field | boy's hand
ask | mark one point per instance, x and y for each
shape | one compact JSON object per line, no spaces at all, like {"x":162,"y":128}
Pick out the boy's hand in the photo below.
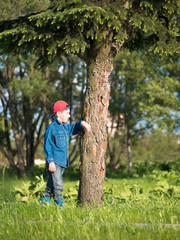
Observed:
{"x":52,"y":167}
{"x":86,"y":126}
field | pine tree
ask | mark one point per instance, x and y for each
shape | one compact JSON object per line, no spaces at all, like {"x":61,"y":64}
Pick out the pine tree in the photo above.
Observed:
{"x":95,"y":31}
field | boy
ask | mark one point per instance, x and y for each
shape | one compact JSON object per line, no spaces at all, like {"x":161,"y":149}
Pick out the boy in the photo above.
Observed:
{"x":56,"y":141}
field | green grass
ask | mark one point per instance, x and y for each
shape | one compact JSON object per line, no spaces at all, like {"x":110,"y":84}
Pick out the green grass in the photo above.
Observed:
{"x":134,"y":208}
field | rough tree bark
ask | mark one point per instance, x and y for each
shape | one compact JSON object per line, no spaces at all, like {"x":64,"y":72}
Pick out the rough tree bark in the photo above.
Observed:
{"x":93,"y":146}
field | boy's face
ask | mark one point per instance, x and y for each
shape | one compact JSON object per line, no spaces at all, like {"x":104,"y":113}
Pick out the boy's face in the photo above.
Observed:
{"x":63,"y":116}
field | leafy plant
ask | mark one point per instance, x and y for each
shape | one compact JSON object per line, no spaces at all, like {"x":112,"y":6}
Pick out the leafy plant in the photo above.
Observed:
{"x":30,"y":189}
{"x":164,"y":175}
{"x":164,"y":189}
{"x":72,"y":192}
{"x":130,"y":193}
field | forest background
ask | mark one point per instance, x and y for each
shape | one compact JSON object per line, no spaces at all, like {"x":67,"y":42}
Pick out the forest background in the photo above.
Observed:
{"x":143,"y":121}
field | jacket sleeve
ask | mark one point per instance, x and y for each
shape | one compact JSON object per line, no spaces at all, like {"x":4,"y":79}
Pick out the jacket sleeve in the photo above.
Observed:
{"x":74,"y":129}
{"x":48,"y":145}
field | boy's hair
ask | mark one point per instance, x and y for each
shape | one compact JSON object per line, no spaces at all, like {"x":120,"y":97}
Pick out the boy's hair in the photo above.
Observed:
{"x":54,"y":116}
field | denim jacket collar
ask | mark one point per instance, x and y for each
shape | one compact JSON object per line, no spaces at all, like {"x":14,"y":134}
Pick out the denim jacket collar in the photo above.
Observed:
{"x":59,"y":122}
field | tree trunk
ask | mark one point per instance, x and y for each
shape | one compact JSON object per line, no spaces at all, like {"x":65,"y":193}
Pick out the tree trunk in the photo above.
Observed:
{"x":9,"y":152}
{"x":20,"y":155}
{"x":17,"y":134}
{"x":120,"y":155}
{"x":30,"y":148}
{"x":29,"y":137}
{"x":130,"y":165}
{"x":93,"y":146}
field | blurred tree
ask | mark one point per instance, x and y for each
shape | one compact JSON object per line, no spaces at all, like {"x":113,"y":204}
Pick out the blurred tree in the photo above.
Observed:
{"x":29,"y":91}
{"x":156,"y":145}
{"x":15,"y":103}
{"x":11,"y":9}
{"x":95,"y":31}
{"x":24,"y":95}
{"x":144,"y":90}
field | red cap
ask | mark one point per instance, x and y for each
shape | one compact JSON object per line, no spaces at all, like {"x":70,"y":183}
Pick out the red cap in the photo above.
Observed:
{"x":59,"y":106}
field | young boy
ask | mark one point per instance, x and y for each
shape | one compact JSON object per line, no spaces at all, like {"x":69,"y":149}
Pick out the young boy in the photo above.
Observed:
{"x":56,"y":141}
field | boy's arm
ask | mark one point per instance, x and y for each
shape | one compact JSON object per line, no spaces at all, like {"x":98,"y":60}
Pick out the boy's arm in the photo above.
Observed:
{"x":48,"y":144}
{"x":77,"y":127}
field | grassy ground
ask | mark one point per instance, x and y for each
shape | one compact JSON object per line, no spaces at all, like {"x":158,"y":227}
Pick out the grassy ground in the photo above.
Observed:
{"x":145,"y":207}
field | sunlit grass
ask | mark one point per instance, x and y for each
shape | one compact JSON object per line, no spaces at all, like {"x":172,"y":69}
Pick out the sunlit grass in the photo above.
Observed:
{"x":133,"y":208}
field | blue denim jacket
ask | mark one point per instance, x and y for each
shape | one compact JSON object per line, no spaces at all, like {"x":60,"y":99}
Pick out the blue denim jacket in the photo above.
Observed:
{"x":56,"y":141}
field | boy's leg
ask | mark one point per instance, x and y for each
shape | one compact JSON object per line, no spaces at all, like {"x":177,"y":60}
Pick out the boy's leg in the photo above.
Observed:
{"x":46,"y":194}
{"x":58,"y":185}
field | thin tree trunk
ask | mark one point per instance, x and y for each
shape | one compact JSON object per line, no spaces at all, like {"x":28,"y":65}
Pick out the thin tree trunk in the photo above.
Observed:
{"x":9,"y":75}
{"x":30,"y":147}
{"x":19,"y":147}
{"x":9,"y":152}
{"x":118,"y":163}
{"x":130,"y":164}
{"x":17,"y":136}
{"x":114,"y":150}
{"x":93,"y":146}
{"x":121,"y":153}
{"x":71,"y":157}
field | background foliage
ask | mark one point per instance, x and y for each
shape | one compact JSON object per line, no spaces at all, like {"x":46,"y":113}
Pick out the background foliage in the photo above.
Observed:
{"x":145,"y":87}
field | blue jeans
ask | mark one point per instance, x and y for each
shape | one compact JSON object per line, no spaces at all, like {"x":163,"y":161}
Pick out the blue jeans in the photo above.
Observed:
{"x":54,"y":184}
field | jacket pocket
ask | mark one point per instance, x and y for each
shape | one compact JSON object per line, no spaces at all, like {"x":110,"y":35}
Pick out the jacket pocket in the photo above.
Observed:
{"x":60,"y":140}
